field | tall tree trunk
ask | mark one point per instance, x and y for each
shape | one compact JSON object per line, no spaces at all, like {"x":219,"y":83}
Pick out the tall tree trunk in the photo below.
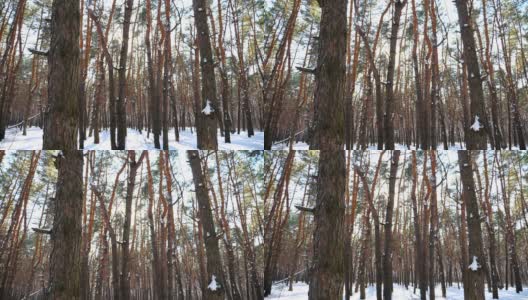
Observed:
{"x":474,"y":285}
{"x":215,"y":273}
{"x":387,"y":257}
{"x":328,"y":261}
{"x":207,"y":116}
{"x":131,"y":181}
{"x":510,"y":230}
{"x":167,"y":76}
{"x":498,"y":142}
{"x":6,"y":71}
{"x":109,"y":60}
{"x":60,"y":128}
{"x":160,"y":291}
{"x":330,"y":76}
{"x":153,"y":90}
{"x":389,"y":106}
{"x":476,"y":138}
{"x":419,"y":263}
{"x":433,"y":229}
{"x":121,"y":98}
{"x":273,"y":228}
{"x":488,"y":212}
{"x":66,"y":234}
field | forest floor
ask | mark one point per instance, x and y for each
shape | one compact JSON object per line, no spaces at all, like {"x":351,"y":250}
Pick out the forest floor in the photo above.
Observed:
{"x":305,"y":146}
{"x":300,"y":292}
{"x":14,"y":140}
{"x":135,"y":140}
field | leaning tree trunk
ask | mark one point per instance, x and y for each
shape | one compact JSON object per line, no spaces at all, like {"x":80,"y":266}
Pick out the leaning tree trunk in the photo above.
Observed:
{"x":474,"y":281}
{"x":66,"y":233}
{"x":209,"y":109}
{"x":60,"y":128}
{"x":216,"y":286}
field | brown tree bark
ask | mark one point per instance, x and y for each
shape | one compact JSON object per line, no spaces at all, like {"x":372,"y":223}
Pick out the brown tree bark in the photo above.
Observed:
{"x":242,"y":74}
{"x":419,"y":263}
{"x":272,"y":227}
{"x":60,"y":128}
{"x":207,"y":116}
{"x":476,"y":138}
{"x":154,"y":105}
{"x":249,"y":251}
{"x":6,"y":70}
{"x":131,"y":181}
{"x":66,"y":233}
{"x":330,"y":75}
{"x":387,"y":256}
{"x":389,"y":106}
{"x":105,"y":53}
{"x":215,"y":274}
{"x":474,"y":284}
{"x":490,"y":226}
{"x":328,"y":267}
{"x":160,"y":285}
{"x":509,"y":226}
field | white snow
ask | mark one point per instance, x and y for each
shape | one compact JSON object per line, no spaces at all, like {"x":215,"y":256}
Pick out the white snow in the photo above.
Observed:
{"x":14,"y":140}
{"x":476,"y":125}
{"x":300,"y":292}
{"x":474,"y":265}
{"x":207,"y":109}
{"x":305,"y":146}
{"x":213,"y":285}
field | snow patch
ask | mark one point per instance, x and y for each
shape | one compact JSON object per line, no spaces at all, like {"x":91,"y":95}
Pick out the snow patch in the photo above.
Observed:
{"x":208,"y":109}
{"x":474,"y":265}
{"x":476,"y":125}
{"x":213,"y":285}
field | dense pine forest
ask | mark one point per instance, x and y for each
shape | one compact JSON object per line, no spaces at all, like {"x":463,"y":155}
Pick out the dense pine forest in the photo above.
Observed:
{"x":394,"y":133}
{"x":108,"y":74}
{"x":407,"y":225}
{"x":130,"y":225}
{"x":405,"y":74}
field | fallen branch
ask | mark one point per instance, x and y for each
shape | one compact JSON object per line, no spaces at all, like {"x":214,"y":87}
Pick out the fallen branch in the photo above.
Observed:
{"x":41,"y":230}
{"x":306,"y":70}
{"x":38,"y":52}
{"x":306,"y":209}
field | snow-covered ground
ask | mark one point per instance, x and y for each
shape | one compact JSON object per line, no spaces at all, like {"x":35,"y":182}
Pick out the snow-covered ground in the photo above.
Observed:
{"x":300,"y":292}
{"x":135,"y":141}
{"x":14,"y":139}
{"x":305,"y":146}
